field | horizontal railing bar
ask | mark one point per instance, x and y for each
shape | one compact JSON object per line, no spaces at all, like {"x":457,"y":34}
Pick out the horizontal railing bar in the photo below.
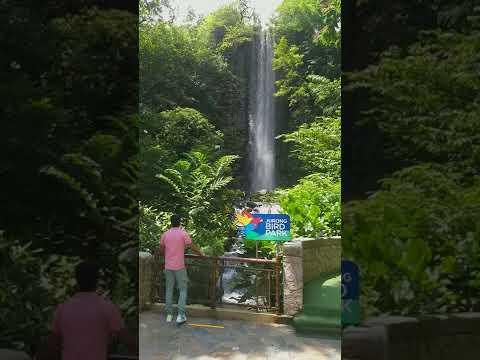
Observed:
{"x":248,"y":269}
{"x":232,"y":258}
{"x":235,"y":267}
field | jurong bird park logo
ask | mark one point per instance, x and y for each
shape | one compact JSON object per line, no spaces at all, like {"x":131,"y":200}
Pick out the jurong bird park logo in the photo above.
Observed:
{"x":274,"y":227}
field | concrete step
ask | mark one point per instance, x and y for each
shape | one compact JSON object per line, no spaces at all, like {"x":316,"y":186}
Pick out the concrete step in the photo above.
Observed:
{"x":228,"y":313}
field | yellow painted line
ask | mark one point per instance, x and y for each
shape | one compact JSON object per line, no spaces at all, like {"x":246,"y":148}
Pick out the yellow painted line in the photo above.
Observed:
{"x":208,"y":326}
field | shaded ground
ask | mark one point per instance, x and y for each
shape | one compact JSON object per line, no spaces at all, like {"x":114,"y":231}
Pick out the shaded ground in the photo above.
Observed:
{"x":237,"y":340}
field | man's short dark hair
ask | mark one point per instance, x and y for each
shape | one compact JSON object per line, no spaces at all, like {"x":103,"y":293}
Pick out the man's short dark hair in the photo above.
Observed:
{"x":86,"y":274}
{"x":176,"y":220}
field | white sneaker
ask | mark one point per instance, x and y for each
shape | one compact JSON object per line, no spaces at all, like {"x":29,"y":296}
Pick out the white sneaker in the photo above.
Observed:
{"x":169,"y":318}
{"x":181,"y":319}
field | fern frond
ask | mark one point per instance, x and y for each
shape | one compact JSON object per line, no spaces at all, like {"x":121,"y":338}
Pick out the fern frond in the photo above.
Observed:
{"x":72,"y":183}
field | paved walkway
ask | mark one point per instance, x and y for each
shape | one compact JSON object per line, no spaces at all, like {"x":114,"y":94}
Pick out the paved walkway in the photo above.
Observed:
{"x":237,"y":340}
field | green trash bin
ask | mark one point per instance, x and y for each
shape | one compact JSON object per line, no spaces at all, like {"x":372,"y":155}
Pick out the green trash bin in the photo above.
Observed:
{"x":321,"y":306}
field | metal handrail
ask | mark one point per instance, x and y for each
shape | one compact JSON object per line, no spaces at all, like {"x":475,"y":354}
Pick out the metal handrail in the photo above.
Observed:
{"x":212,"y":297}
{"x":233,"y":258}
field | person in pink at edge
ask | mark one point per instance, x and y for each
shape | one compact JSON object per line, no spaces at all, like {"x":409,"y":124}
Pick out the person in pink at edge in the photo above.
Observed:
{"x":172,"y":244}
{"x":84,"y":326}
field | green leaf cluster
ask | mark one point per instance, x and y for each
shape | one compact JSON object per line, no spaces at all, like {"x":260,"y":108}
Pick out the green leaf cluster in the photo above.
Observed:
{"x":307,"y":57}
{"x":417,"y":238}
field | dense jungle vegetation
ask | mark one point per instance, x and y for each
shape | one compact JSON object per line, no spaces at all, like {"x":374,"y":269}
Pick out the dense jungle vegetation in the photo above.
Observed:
{"x":68,"y":159}
{"x":417,"y":236}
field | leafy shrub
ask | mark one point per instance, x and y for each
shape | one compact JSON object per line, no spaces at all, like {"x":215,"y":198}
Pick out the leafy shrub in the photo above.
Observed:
{"x":314,"y":206}
{"x":317,"y":146}
{"x":199,"y":190}
{"x":152,"y":224}
{"x":417,"y":242}
{"x":33,"y":283}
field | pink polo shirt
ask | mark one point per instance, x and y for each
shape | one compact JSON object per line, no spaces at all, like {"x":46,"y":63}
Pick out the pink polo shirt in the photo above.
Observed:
{"x":85,"y":324}
{"x":174,"y":242}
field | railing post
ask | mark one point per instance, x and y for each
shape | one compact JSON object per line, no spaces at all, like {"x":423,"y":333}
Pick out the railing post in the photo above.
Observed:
{"x":277,"y":283}
{"x":213,"y":300}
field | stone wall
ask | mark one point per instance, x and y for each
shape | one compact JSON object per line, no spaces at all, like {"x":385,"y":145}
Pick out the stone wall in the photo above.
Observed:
{"x":145,"y":263}
{"x":305,"y":260}
{"x":321,"y":256}
{"x":434,"y":337}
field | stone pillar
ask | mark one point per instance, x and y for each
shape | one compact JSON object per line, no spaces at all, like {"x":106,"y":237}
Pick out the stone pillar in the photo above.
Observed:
{"x":292,"y":277}
{"x":145,"y":262}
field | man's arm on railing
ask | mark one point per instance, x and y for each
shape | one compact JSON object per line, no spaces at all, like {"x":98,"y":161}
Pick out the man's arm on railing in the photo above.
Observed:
{"x":196,"y":249}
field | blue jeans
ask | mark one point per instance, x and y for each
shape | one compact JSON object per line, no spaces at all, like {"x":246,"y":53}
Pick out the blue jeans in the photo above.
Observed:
{"x":180,"y":277}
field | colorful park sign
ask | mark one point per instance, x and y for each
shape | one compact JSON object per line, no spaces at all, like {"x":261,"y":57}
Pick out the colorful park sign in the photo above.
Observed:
{"x":350,"y":293}
{"x":273,"y":227}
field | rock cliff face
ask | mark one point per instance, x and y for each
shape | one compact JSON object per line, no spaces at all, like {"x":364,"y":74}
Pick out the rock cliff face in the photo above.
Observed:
{"x":237,"y":133}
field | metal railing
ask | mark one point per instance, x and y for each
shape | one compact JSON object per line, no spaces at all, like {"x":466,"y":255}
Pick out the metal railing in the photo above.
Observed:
{"x":262,"y":278}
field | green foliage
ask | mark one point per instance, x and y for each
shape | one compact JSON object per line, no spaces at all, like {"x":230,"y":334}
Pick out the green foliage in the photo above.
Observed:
{"x":178,"y":70}
{"x":165,"y":137}
{"x":183,"y":171}
{"x":317,"y":146}
{"x":417,"y":238}
{"x":307,"y":55}
{"x":198,"y":192}
{"x":69,"y":109}
{"x":313,"y":26}
{"x":151,"y":225}
{"x":266,"y":249}
{"x":228,"y":26}
{"x":235,"y":37}
{"x":434,"y":117}
{"x":319,"y":19}
{"x":150,"y":11}
{"x":314,"y":206}
{"x":41,"y":281}
{"x":289,"y":60}
{"x":298,"y":17}
{"x":417,"y":242}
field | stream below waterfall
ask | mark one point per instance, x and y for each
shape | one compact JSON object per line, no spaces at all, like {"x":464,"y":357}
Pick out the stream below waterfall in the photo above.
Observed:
{"x":230,"y":277}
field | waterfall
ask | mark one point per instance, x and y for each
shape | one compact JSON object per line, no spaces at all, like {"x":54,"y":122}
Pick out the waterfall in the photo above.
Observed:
{"x":261,"y":154}
{"x":262,"y":115}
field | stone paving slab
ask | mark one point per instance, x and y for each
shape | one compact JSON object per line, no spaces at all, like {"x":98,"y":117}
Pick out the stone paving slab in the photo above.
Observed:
{"x":238,"y":340}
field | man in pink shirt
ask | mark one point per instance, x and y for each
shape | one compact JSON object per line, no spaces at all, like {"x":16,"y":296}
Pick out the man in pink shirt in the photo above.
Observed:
{"x":84,"y":326}
{"x":172,"y":244}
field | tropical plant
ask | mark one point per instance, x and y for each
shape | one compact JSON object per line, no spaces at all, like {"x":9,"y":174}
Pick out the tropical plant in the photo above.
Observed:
{"x":198,"y":191}
{"x":70,"y":140}
{"x":317,"y":146}
{"x":314,"y":206}
{"x":416,"y":238}
{"x":417,"y":242}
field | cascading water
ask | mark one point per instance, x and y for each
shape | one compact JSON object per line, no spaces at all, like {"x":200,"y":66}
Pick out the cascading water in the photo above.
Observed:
{"x":262,"y":115}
